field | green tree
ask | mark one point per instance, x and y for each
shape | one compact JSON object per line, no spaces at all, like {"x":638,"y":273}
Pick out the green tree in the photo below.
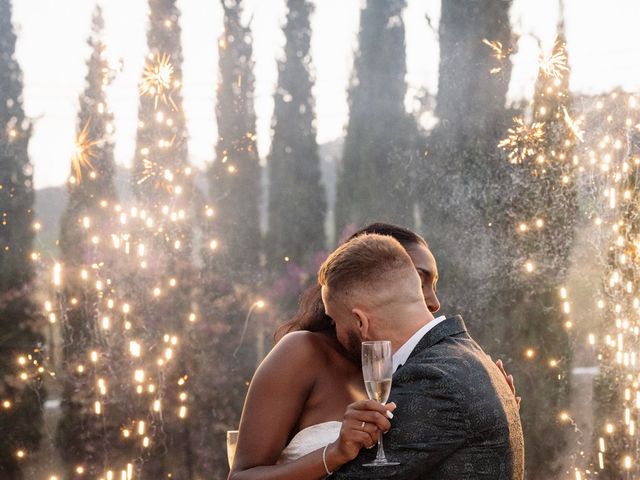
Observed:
{"x":85,"y":438}
{"x":537,"y":231}
{"x":297,"y":201}
{"x":374,"y":184}
{"x":21,"y":392}
{"x":461,"y":182}
{"x":234,"y":178}
{"x":231,"y":274}
{"x":615,"y":400}
{"x":161,"y":288}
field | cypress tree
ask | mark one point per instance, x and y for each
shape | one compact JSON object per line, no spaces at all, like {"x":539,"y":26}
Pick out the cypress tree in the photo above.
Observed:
{"x":374,"y":184}
{"x":162,"y":286}
{"x":231,"y":274}
{"x":297,"y":202}
{"x":234,"y":178}
{"x":85,"y":438}
{"x":464,"y":176}
{"x":21,"y":392}
{"x":539,"y":229}
{"x":615,"y":387}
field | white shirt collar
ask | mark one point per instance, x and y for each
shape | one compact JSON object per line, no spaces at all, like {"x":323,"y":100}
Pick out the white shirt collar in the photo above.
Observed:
{"x":402,"y":354}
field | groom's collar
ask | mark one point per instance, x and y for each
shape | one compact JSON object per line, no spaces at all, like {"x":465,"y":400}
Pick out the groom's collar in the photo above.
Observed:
{"x":450,"y":326}
{"x":403,"y":353}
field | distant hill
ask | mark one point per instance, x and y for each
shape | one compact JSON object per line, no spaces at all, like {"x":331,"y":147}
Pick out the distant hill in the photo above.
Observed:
{"x":51,"y":201}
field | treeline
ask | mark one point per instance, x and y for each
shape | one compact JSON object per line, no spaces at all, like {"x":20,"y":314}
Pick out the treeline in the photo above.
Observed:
{"x":159,"y":309}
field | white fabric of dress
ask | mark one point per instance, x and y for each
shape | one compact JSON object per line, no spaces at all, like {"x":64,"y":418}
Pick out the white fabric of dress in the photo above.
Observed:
{"x":310,"y":439}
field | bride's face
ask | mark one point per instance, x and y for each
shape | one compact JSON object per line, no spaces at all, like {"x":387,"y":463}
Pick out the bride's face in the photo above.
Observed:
{"x":425,"y":264}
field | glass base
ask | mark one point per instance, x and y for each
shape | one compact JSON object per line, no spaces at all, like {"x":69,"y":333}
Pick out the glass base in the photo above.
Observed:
{"x":381,"y":463}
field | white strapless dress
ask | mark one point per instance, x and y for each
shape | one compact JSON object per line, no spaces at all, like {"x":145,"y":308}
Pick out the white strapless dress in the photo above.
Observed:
{"x":310,"y":439}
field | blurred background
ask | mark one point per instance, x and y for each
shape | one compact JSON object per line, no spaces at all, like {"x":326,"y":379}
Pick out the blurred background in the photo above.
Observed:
{"x":173,"y":173}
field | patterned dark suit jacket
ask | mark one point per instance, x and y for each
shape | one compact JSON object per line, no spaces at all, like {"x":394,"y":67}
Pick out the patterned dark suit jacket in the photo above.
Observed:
{"x":456,"y":419}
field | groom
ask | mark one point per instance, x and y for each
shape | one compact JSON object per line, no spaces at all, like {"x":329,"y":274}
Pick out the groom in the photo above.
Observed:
{"x":456,"y":418}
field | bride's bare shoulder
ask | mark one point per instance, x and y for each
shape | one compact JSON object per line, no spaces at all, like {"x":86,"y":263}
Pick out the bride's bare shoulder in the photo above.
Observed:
{"x":302,"y":346}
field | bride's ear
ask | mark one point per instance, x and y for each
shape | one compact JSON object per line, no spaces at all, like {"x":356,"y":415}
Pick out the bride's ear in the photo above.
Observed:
{"x":362,"y":322}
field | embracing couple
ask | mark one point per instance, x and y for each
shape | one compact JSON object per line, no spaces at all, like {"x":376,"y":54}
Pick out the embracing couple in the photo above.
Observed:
{"x":453,"y":413}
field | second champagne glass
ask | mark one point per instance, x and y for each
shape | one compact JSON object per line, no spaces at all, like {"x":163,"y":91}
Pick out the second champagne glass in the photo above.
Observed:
{"x":377,"y":369}
{"x":232,"y":443}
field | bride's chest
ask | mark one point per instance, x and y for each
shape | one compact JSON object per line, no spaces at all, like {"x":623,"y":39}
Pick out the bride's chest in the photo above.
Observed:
{"x":330,"y":398}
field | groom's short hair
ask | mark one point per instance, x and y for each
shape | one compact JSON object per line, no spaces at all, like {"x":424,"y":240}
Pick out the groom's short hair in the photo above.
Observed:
{"x":372,"y":263}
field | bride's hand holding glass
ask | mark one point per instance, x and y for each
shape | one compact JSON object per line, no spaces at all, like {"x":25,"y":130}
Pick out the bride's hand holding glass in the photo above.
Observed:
{"x":362,"y":424}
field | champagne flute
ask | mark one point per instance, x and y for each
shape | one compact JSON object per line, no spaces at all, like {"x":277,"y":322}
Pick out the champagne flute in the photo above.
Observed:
{"x":232,"y":443}
{"x":377,"y":368}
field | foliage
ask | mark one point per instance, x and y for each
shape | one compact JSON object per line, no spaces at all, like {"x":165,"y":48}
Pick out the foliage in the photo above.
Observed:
{"x":377,"y":164}
{"x":21,"y":398}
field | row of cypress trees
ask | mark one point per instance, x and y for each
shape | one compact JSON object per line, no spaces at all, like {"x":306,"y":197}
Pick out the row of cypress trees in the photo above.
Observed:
{"x":468,"y":198}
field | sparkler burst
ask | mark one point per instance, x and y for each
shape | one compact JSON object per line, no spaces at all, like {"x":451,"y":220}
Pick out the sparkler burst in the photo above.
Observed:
{"x":574,"y":125}
{"x":83,"y":151}
{"x":499,"y":52}
{"x":157,"y":80}
{"x":554,"y":64}
{"x":523,"y":140}
{"x":163,"y":178}
{"x":150,"y":169}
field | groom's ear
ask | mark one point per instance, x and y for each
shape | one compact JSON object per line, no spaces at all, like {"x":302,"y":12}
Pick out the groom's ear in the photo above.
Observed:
{"x":362,"y":322}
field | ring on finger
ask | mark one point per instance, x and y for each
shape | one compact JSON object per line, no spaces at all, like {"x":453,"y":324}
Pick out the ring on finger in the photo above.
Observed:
{"x":362,"y":426}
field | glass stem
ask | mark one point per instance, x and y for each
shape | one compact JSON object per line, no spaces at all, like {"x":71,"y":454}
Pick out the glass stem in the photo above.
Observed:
{"x":380,"y":455}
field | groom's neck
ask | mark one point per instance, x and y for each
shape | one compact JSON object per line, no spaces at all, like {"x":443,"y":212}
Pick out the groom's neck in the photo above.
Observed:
{"x":406,"y":325}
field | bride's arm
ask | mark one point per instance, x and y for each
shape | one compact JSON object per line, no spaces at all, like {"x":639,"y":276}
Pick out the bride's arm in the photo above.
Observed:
{"x":274,"y":403}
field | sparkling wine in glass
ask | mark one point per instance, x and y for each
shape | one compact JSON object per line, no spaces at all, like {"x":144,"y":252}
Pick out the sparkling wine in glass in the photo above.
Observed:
{"x":232,"y":443}
{"x":377,"y":368}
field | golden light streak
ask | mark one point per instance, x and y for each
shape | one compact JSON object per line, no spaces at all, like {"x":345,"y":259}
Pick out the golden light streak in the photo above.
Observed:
{"x":573,"y":125}
{"x":57,"y":274}
{"x":499,"y":52}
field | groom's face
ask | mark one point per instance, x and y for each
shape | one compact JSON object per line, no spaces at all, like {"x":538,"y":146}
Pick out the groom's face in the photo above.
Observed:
{"x":346,"y":325}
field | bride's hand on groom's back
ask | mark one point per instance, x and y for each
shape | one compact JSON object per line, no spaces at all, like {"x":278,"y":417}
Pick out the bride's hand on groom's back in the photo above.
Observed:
{"x":362,"y":423}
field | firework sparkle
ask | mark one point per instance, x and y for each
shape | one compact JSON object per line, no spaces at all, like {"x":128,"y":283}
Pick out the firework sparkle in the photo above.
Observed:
{"x":83,"y":152}
{"x":499,"y":52}
{"x":157,"y":80}
{"x":523,"y":141}
{"x":554,"y":63}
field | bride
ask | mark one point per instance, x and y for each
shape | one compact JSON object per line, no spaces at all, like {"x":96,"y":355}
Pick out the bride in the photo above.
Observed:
{"x":306,"y":413}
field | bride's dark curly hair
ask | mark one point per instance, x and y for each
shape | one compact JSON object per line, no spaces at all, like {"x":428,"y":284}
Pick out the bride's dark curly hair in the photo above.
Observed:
{"x":310,"y":315}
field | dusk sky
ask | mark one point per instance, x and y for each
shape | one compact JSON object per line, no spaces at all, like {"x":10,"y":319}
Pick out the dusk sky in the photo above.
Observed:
{"x":603,"y":44}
